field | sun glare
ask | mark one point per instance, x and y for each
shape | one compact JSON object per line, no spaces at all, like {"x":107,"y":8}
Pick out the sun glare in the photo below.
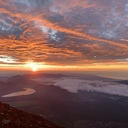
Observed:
{"x":32,"y":65}
{"x":34,"y":68}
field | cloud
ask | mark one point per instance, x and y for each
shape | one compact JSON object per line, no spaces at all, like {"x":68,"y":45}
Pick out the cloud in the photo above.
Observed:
{"x":60,"y":6}
{"x":64,"y":32}
{"x":7,"y":59}
{"x":75,"y":85}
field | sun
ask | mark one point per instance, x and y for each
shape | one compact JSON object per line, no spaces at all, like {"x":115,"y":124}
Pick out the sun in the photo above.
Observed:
{"x":32,"y":65}
{"x":34,"y":68}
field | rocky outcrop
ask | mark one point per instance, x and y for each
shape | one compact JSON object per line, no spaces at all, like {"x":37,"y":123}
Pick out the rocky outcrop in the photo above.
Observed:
{"x":14,"y":118}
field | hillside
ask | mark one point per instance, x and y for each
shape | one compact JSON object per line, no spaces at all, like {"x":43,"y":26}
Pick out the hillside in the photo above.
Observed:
{"x":13,"y":118}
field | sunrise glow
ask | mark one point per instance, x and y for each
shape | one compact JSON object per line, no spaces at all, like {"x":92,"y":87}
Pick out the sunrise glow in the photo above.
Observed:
{"x":34,"y":68}
{"x":31,"y":65}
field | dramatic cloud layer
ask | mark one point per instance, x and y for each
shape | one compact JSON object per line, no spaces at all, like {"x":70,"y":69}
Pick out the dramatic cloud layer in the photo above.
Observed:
{"x":64,"y":32}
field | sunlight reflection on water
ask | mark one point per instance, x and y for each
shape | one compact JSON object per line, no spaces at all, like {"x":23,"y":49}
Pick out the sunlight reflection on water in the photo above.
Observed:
{"x":27,"y":91}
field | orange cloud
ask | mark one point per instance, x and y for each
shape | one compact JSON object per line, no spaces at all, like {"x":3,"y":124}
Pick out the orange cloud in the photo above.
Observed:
{"x":32,"y":35}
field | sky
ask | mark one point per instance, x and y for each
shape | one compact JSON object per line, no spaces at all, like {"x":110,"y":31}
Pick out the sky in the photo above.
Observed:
{"x":64,"y":33}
